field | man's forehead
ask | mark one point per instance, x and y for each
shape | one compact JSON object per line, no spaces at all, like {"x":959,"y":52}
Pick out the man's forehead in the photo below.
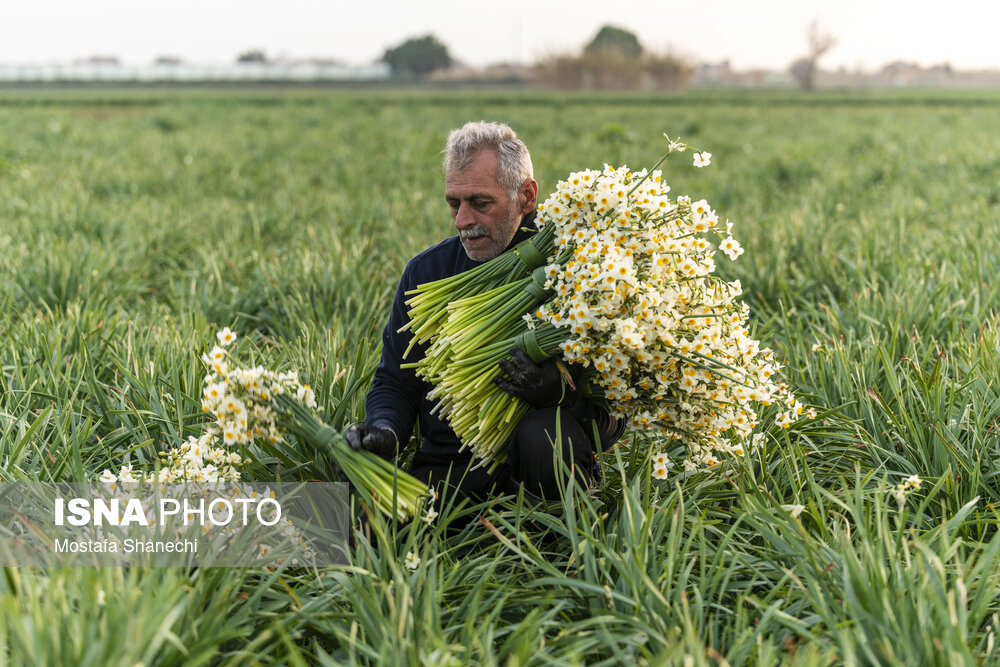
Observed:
{"x":478,"y":175}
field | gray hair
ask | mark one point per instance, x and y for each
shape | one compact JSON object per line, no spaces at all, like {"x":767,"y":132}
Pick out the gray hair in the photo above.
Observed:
{"x":466,"y":143}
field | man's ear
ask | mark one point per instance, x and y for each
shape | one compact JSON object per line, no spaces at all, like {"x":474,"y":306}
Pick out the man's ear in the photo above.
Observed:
{"x":528,"y":196}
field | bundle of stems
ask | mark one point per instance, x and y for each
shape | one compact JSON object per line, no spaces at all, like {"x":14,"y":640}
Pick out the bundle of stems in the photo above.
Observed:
{"x":378,"y":482}
{"x":481,"y":414}
{"x":481,"y":318}
{"x":428,"y":303}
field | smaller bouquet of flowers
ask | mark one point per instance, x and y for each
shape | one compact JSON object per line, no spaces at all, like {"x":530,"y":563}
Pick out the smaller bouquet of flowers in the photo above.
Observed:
{"x":257,"y":403}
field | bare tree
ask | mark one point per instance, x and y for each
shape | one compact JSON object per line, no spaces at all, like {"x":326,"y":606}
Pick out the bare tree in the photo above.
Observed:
{"x":819,"y":42}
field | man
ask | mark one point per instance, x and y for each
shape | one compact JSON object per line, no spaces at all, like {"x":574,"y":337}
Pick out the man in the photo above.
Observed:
{"x":490,"y":189}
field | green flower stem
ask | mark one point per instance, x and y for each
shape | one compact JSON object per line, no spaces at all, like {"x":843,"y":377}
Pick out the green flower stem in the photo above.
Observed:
{"x":649,"y":172}
{"x":711,"y":369}
{"x":481,"y":414}
{"x":379,"y":483}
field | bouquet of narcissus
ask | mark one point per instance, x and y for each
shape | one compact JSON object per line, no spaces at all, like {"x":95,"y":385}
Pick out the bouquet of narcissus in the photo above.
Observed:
{"x":626,"y":291}
{"x":256,"y":403}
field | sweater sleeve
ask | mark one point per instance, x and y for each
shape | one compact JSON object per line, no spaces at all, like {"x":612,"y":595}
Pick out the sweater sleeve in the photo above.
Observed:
{"x":396,"y":392}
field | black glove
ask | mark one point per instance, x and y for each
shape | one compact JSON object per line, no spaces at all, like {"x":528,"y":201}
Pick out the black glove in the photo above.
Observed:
{"x":377,"y":438}
{"x":538,"y":385}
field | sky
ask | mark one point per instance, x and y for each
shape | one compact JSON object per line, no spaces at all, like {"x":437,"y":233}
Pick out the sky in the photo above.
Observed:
{"x":748,"y":33}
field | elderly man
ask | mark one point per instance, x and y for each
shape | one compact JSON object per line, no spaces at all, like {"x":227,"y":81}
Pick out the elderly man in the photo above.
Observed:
{"x":490,"y":189}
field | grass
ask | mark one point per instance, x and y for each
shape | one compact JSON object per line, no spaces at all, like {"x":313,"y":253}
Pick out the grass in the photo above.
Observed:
{"x":132,"y":223}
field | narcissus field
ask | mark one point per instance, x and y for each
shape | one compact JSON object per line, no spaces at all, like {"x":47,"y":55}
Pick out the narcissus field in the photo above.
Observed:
{"x":137,"y":223}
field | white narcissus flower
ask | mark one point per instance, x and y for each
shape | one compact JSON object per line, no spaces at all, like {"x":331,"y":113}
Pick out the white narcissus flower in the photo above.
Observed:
{"x":661,"y":459}
{"x":702,"y":159}
{"x":412,"y":560}
{"x":226,"y":336}
{"x":306,"y":396}
{"x":676,"y":145}
{"x":794,"y":510}
{"x":731,"y":247}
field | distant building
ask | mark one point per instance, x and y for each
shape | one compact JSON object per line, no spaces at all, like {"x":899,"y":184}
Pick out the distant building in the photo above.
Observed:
{"x":722,"y":75}
{"x":174,"y":70}
{"x":901,"y":74}
{"x":101,"y":60}
{"x":709,"y":74}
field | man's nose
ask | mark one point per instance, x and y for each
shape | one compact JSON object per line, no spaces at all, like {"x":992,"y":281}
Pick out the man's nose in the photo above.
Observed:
{"x":463,"y":217}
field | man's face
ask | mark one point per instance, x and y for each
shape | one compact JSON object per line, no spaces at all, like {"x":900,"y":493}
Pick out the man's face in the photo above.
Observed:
{"x":485,"y":216}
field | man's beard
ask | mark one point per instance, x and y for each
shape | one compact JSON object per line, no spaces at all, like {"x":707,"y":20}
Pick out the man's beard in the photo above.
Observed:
{"x":496,"y":246}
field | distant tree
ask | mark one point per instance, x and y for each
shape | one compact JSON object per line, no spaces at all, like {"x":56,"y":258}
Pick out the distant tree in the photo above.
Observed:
{"x":559,"y":71}
{"x":804,"y":69}
{"x":619,"y":41}
{"x":667,"y":71}
{"x":252,"y":56}
{"x":614,"y":60}
{"x":417,"y":56}
{"x":654,"y":71}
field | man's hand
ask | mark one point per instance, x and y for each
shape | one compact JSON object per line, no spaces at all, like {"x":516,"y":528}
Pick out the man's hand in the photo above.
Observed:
{"x":538,"y":385}
{"x":377,"y":438}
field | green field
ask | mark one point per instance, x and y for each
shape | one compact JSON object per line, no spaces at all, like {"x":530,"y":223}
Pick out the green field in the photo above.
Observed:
{"x":134,"y":223}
